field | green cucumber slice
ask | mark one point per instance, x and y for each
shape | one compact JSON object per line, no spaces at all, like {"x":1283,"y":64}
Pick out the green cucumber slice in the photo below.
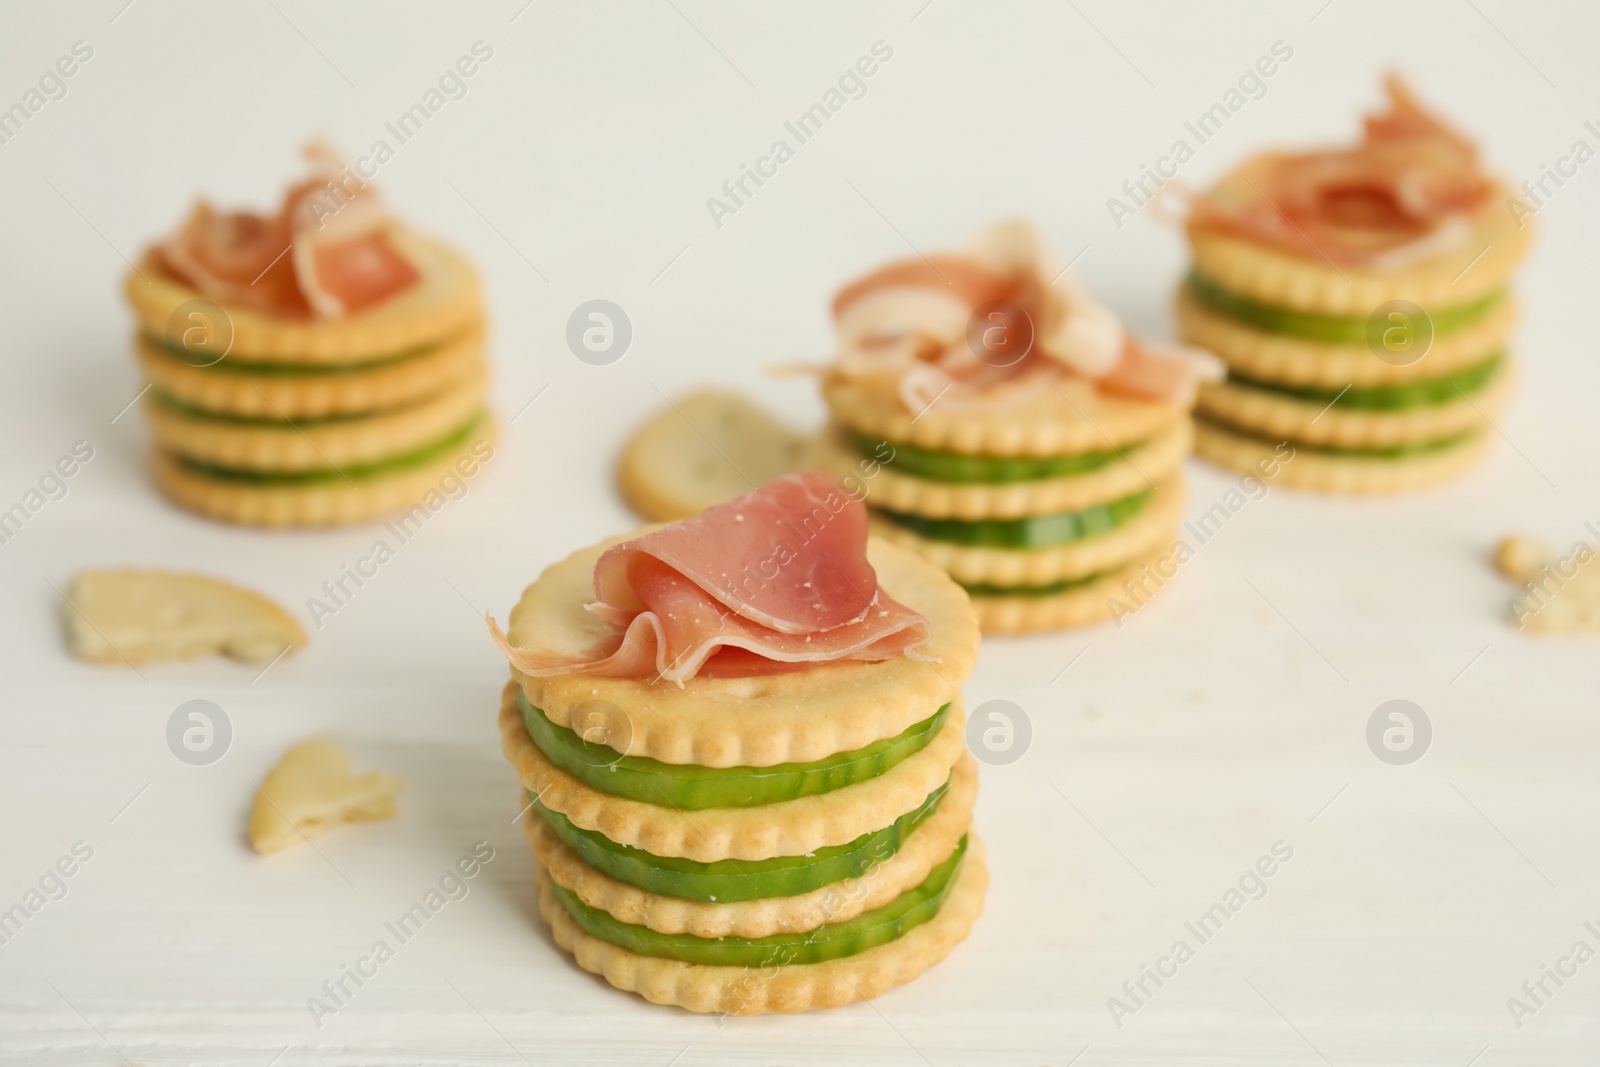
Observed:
{"x":417,"y":457}
{"x":1048,"y":589}
{"x":183,"y":407}
{"x":691,"y":788}
{"x":1390,"y":452}
{"x":1332,"y":329}
{"x":830,"y":941}
{"x":1430,"y":391}
{"x":726,"y":881}
{"x":274,"y":370}
{"x":1033,"y":531}
{"x":993,"y":470}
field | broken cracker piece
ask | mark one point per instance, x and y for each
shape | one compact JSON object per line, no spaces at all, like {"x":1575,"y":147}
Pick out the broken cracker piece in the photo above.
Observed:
{"x":311,"y":791}
{"x":703,"y":449}
{"x":1520,"y":558}
{"x":146,"y":616}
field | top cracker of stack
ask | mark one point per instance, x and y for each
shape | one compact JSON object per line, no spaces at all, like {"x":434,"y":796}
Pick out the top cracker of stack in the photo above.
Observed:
{"x":323,"y":365}
{"x":1359,"y":297}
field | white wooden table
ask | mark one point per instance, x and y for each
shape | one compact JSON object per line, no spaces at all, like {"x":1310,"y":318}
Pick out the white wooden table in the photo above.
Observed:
{"x":1173,"y":753}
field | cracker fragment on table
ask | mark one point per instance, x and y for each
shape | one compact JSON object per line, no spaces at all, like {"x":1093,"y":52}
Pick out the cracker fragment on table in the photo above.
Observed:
{"x":703,"y":449}
{"x":134,"y":616}
{"x":311,"y":791}
{"x":1559,"y":595}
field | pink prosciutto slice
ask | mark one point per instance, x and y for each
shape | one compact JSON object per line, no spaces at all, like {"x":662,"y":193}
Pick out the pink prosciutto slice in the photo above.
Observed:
{"x":911,"y":324}
{"x":1402,"y":192}
{"x":328,"y":252}
{"x":771,"y":581}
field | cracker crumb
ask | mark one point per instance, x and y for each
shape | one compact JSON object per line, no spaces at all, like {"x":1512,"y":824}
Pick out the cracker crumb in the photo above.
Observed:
{"x":1520,"y":558}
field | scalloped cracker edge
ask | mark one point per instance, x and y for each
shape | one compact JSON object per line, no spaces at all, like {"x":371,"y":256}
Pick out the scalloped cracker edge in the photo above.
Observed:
{"x":891,"y":489}
{"x":984,"y":564}
{"x":788,"y":828}
{"x":782,"y":989}
{"x":1353,"y":475}
{"x":795,"y":716}
{"x":328,"y":503}
{"x":443,"y":303}
{"x":929,"y":845}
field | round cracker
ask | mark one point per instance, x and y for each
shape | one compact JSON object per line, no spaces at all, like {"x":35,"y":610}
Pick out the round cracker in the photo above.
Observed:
{"x":1476,"y":266}
{"x":1316,"y":422}
{"x":929,"y":845}
{"x":784,"y":989}
{"x":313,"y":396}
{"x":788,"y":828}
{"x":986,"y":565}
{"x":443,"y":303}
{"x":1276,"y":357}
{"x":1332,"y":473}
{"x":1084,"y":605}
{"x":1071,"y":417}
{"x":290,"y":446}
{"x":797,"y":716}
{"x":701,"y":450}
{"x":327,"y":503}
{"x":908,"y":494}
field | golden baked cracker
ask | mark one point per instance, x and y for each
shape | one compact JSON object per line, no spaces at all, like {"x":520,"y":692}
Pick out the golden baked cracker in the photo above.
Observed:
{"x":328,"y":502}
{"x":1065,"y":418}
{"x":929,"y":845}
{"x":781,"y":989}
{"x":146,"y":616}
{"x":791,"y":717}
{"x":444,"y":303}
{"x":911,"y":495}
{"x":1082,"y":605}
{"x":788,"y":828}
{"x":1476,"y":266}
{"x":1333,"y":473}
{"x":1316,"y":422}
{"x":311,"y":790}
{"x":703,"y":449}
{"x":226,"y":390}
{"x":986,"y":565}
{"x":298,"y":445}
{"x":1276,"y":357}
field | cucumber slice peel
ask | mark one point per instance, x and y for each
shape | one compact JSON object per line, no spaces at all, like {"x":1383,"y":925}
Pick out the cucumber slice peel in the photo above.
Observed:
{"x":692,"y":788}
{"x":1331,"y":329}
{"x":992,"y":470}
{"x":417,"y":457}
{"x":1424,"y":393}
{"x":830,"y":941}
{"x":727,"y":881}
{"x":1033,"y":531}
{"x":1391,"y":452}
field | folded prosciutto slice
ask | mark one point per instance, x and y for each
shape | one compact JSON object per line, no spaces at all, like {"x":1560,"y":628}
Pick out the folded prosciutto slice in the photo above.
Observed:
{"x":1402,"y":193}
{"x":948,"y":327}
{"x":767,"y":582}
{"x":328,"y":252}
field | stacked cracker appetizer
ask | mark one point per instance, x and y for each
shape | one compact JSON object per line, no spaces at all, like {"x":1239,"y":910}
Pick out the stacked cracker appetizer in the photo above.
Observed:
{"x":324,"y":365}
{"x":741,"y":740}
{"x":1359,"y":298}
{"x":1004,"y":426}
